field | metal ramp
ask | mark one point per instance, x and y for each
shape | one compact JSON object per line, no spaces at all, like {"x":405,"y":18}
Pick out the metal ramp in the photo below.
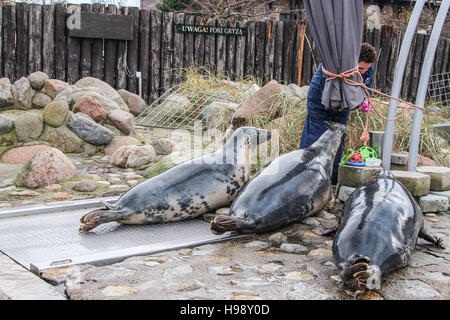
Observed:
{"x":178,"y":108}
{"x":46,"y":236}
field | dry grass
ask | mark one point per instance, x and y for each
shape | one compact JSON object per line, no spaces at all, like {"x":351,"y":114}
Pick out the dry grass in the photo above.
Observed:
{"x":289,"y":119}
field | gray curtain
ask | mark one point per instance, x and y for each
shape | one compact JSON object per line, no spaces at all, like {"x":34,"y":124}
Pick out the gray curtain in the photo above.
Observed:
{"x":337,"y":28}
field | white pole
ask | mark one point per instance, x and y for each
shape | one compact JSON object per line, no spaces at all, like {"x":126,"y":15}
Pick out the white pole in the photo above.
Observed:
{"x":398,"y":80}
{"x":423,"y":84}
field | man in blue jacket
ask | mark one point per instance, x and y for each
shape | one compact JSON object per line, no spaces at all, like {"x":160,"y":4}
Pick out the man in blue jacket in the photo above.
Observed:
{"x":318,"y":116}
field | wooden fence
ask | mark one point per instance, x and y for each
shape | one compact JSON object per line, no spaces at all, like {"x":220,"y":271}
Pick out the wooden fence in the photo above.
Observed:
{"x":35,"y":37}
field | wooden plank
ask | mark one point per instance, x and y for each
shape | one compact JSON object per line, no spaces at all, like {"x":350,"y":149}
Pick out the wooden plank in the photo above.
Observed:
{"x":270,"y":52}
{"x":307,"y":58}
{"x":288,"y":49}
{"x":132,"y":51}
{"x":408,"y":70}
{"x":155,"y":50}
{"x":144,"y":50}
{"x":48,"y":40}
{"x":178,"y":47}
{"x":73,"y":53}
{"x":278,"y":61}
{"x":438,"y":57}
{"x":22,"y":41}
{"x":383,"y":60}
{"x":445,"y":56}
{"x":97,"y":48}
{"x":85,"y":49}
{"x":377,"y":39}
{"x":111,"y":26}
{"x":60,"y":41}
{"x":210,"y":49}
{"x":35,"y":38}
{"x":9,"y":50}
{"x":417,"y":63}
{"x":110,"y":53}
{"x":239,"y":63}
{"x":166,"y":50}
{"x":121,"y":57}
{"x":221,"y":53}
{"x":188,"y":57}
{"x":298,"y":53}
{"x":250,"y":49}
{"x":260,"y":48}
{"x":231,"y":52}
{"x":395,"y":48}
{"x":199,"y":47}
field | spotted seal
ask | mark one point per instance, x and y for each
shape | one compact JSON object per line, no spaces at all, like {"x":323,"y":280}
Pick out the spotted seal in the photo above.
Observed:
{"x":187,"y":190}
{"x":379,"y":231}
{"x":291,"y":188}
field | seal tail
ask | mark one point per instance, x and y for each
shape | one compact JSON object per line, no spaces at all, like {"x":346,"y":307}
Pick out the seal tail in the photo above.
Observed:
{"x":361,"y":276}
{"x":222,"y":224}
{"x":97,"y":217}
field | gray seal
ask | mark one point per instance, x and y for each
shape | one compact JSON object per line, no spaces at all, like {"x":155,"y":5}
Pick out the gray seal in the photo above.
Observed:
{"x":187,"y":190}
{"x":379,"y":231}
{"x":291,"y":188}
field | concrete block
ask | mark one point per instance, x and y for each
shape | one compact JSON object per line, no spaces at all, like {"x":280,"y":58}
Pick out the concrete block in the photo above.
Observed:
{"x":442,"y":129}
{"x":399,"y":159}
{"x":433,"y":203}
{"x":354,"y":176}
{"x":345,"y":192}
{"x":442,"y":194}
{"x":440,"y":177}
{"x":418,"y":184}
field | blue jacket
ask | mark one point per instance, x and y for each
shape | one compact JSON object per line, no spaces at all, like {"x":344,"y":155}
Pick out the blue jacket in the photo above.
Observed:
{"x":315,"y":106}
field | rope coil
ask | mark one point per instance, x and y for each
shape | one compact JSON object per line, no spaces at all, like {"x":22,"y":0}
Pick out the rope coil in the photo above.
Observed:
{"x":347,"y":75}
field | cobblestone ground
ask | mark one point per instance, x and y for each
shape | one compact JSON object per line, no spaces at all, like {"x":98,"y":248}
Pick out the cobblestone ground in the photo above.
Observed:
{"x":293,"y":263}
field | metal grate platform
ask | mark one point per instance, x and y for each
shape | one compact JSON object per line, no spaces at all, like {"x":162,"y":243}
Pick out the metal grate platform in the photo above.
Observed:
{"x":439,"y":88}
{"x":46,"y":236}
{"x":178,"y":108}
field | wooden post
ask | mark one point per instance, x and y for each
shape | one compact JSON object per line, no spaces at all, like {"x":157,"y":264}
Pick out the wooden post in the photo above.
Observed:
{"x":48,"y":41}
{"x":409,"y":69}
{"x":278,"y":60}
{"x":60,"y":41}
{"x":188,"y":59}
{"x":155,"y":53}
{"x":8,"y":39}
{"x":144,"y":51}
{"x":221,"y":53}
{"x":260,"y":47}
{"x":73,"y":53}
{"x":22,"y":41}
{"x":231,"y":52}
{"x":97,"y":48}
{"x":110,"y":53}
{"x":270,"y":52}
{"x":300,"y":46}
{"x":239,"y":63}
{"x":166,"y":50}
{"x":417,"y":62}
{"x":132,"y":51}
{"x":121,"y":58}
{"x":85,"y":49}
{"x":210,"y":48}
{"x":290,"y":35}
{"x":178,"y":48}
{"x":250,"y":49}
{"x":35,"y":38}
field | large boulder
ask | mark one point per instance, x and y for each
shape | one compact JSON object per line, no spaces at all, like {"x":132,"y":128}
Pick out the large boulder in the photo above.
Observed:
{"x":21,"y":155}
{"x":124,"y":121}
{"x":6,"y":124}
{"x":37,"y":79}
{"x":135,"y":103}
{"x":91,"y":107}
{"x":6,"y":97}
{"x":55,"y":113}
{"x":40,"y":100}
{"x":120,"y":141}
{"x":88,"y":130}
{"x":300,"y":92}
{"x":105,"y":88}
{"x":29,"y":125}
{"x":133,"y":156}
{"x":65,"y":140}
{"x":163,"y":146}
{"x":218,"y":113}
{"x":48,"y":166}
{"x":22,"y":93}
{"x":53,"y":87}
{"x":258,"y":103}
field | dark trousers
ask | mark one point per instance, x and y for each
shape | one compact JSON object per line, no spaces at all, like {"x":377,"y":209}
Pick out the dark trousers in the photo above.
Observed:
{"x":316,"y":125}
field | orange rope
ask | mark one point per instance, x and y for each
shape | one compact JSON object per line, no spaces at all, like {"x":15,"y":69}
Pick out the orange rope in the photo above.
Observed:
{"x":346,"y":75}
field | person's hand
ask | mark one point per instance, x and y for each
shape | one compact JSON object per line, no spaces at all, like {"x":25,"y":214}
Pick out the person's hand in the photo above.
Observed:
{"x":366,"y":106}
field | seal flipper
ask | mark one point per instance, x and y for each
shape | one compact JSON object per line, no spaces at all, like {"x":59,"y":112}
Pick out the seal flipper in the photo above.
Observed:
{"x":427,"y":236}
{"x":221,"y":224}
{"x":97,"y":217}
